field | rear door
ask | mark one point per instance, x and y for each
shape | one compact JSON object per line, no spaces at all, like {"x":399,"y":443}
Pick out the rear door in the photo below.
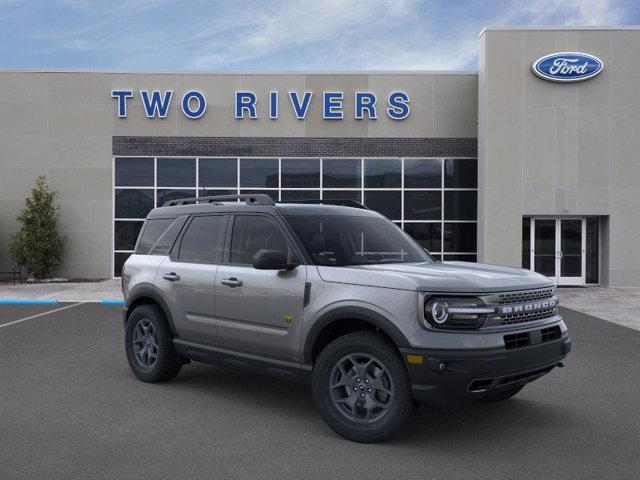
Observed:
{"x":259,"y":311}
{"x":187,"y":277}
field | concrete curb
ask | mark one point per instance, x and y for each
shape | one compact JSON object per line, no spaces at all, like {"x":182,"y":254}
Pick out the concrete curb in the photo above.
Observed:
{"x":54,"y":301}
{"x":28,"y":301}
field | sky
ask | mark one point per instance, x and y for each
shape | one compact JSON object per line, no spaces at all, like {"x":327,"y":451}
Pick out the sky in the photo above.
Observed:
{"x":277,"y":35}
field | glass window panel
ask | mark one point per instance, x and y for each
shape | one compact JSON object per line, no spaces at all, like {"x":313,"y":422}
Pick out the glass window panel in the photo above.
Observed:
{"x":125,"y":235}
{"x":291,"y":195}
{"x":343,"y":195}
{"x":460,"y":237}
{"x":461,"y":173}
{"x":425,"y":205}
{"x":300,"y":172}
{"x":209,"y":192}
{"x":460,"y":205}
{"x":252,"y":233}
{"x":134,"y":172}
{"x":152,"y":231}
{"x":164,"y":243}
{"x":133,"y":203}
{"x":259,"y":172}
{"x":382,"y":173}
{"x":118,"y":261}
{"x":165,"y":195}
{"x":341,"y":173}
{"x":204,"y":239}
{"x":593,"y":240}
{"x":426,"y":234}
{"x":176,"y":172}
{"x":218,"y":172}
{"x":272,"y":193}
{"x":384,"y":202}
{"x":526,"y":242}
{"x":545,"y":247}
{"x":422,"y":173}
{"x":571,"y":248}
{"x":461,"y":258}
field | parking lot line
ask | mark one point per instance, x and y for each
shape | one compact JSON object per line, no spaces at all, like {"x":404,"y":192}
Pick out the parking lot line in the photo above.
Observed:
{"x":40,"y":314}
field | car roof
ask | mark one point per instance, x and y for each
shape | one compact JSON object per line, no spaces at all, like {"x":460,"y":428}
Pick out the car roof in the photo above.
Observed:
{"x":287,"y":209}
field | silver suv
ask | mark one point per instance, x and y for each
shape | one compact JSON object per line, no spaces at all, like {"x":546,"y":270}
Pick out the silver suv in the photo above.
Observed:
{"x":337,"y":296}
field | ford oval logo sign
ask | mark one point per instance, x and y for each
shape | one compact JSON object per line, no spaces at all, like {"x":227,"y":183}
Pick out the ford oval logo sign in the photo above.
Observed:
{"x":567,"y":66}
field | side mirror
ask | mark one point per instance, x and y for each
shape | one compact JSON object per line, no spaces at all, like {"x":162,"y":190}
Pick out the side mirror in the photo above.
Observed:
{"x":272,"y":260}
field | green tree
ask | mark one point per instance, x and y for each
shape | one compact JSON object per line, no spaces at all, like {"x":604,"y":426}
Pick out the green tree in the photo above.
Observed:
{"x":37,"y":246}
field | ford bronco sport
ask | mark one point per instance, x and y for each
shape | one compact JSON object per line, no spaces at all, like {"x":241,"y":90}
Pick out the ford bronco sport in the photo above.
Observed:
{"x":336,"y":296}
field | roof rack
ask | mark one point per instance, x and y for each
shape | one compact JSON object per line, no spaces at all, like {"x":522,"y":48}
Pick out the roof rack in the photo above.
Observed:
{"x":250,"y":199}
{"x":345,"y":202}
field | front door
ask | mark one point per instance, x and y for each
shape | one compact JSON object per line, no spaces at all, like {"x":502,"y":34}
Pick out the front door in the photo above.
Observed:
{"x":187,"y":277}
{"x":558,"y":249}
{"x":259,"y":311}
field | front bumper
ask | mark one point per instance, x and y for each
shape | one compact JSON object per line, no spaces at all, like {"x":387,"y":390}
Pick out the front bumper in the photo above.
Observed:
{"x":449,"y":376}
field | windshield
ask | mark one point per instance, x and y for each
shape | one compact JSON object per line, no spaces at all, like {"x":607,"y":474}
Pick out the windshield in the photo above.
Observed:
{"x":341,"y":240}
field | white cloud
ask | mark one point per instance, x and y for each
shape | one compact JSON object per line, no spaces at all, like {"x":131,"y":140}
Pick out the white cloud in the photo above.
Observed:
{"x":304,"y":34}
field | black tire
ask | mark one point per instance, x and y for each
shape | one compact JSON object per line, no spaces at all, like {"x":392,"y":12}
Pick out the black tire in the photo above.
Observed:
{"x":502,"y":395}
{"x":400,"y":404}
{"x":166,"y":363}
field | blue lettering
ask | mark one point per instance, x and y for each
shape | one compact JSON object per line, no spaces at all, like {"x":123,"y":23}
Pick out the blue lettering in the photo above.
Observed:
{"x":122,"y":96}
{"x":156,"y":105}
{"x":299,"y":108}
{"x":246,"y":101}
{"x":200,"y":100}
{"x":332,"y":105}
{"x":365,"y":101}
{"x":398,"y":105}
{"x":273,"y":105}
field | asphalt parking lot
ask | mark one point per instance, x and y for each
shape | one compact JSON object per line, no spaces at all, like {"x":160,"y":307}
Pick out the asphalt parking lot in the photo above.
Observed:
{"x":70,"y":409}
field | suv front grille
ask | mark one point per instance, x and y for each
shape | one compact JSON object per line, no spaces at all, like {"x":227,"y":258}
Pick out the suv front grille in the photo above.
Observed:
{"x":523,"y":317}
{"x":525,"y":296}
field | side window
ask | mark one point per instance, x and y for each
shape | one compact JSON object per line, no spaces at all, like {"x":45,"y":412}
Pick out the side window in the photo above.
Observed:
{"x":151,"y":233}
{"x":252,"y":233}
{"x":168,"y":238}
{"x":204,"y":239}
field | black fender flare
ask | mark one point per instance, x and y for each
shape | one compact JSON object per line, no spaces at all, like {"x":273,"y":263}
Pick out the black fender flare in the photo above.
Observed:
{"x":147,"y":290}
{"x":351,"y":312}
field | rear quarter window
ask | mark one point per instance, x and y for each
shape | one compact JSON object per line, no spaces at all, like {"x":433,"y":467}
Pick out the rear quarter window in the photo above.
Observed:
{"x":156,"y":235}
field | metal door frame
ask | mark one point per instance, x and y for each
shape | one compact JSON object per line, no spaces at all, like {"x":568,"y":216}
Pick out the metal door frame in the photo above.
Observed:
{"x":560,"y":280}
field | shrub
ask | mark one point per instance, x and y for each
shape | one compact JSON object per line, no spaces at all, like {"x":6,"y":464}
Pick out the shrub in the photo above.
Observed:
{"x":37,"y":246}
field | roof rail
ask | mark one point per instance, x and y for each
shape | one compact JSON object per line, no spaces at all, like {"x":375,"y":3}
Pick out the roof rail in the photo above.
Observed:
{"x":345,"y":202}
{"x":250,"y":199}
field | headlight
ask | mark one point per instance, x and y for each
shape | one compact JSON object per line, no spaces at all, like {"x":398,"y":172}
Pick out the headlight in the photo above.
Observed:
{"x":456,"y":312}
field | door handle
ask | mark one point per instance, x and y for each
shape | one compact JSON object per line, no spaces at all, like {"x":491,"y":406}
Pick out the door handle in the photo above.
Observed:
{"x":231,"y":282}
{"x":172,"y":277}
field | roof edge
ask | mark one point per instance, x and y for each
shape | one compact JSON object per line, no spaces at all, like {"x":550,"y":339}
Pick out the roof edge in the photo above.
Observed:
{"x":238,"y":72}
{"x":561,"y":27}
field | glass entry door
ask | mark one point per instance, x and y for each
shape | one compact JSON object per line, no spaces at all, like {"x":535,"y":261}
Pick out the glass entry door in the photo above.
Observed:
{"x":558,"y":249}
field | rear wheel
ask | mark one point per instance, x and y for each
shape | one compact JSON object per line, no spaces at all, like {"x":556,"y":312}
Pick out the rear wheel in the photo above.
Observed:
{"x":362,"y":388}
{"x":502,"y":395}
{"x":149,"y":345}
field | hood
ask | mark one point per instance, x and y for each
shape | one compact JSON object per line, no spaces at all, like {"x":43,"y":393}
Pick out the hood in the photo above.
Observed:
{"x":464,"y":277}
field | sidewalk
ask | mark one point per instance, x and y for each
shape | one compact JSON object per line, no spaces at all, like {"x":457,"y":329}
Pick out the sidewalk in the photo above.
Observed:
{"x":104,"y":291}
{"x":614,"y":304}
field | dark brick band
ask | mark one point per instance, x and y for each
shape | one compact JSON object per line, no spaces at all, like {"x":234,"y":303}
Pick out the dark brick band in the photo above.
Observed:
{"x":295,"y":147}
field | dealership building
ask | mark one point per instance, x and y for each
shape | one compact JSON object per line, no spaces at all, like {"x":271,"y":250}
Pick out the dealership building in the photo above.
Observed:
{"x":532,"y":161}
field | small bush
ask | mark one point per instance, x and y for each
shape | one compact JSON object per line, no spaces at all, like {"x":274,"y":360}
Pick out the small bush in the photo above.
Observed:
{"x":37,"y":246}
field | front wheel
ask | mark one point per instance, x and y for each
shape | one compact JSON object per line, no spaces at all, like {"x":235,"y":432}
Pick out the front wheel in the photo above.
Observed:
{"x":362,"y":388}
